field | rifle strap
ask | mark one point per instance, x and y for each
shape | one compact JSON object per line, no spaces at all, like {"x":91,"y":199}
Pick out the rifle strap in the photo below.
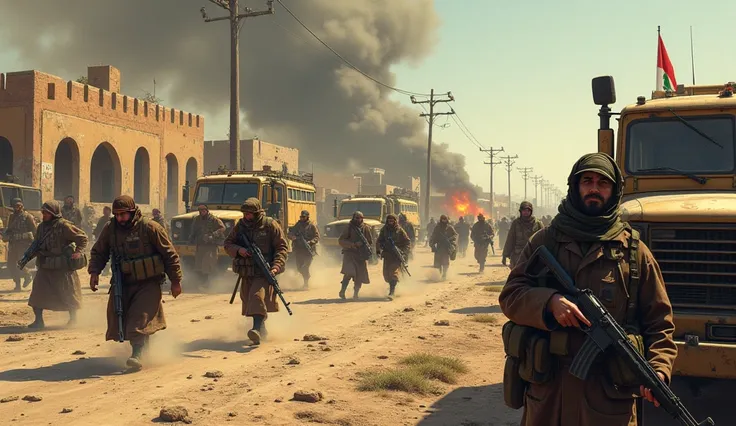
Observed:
{"x":633,"y":288}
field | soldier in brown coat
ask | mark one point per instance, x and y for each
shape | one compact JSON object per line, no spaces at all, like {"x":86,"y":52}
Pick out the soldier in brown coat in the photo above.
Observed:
{"x":522,"y":228}
{"x":102,"y":221}
{"x":307,"y":230}
{"x":19,"y":235}
{"x":391,"y":262}
{"x":444,"y":245}
{"x":71,"y":212}
{"x":355,"y":254}
{"x":410,"y":232}
{"x":207,"y":232}
{"x":595,"y":247}
{"x":482,"y":236}
{"x":145,"y":254}
{"x":56,"y":286}
{"x":463,"y":236}
{"x":159,"y":218}
{"x":257,"y":295}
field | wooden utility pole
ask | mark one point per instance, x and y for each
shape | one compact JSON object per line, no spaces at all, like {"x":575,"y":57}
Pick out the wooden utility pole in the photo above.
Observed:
{"x":509,"y":166}
{"x":430,"y":119}
{"x":535,"y":180}
{"x":235,"y":17}
{"x":491,"y":153}
{"x":525,"y":173}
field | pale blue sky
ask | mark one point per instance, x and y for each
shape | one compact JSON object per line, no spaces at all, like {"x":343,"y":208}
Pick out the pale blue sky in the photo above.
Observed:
{"x":520,"y":71}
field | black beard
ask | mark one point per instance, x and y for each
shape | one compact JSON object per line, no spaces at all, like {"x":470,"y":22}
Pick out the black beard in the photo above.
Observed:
{"x":593,"y":209}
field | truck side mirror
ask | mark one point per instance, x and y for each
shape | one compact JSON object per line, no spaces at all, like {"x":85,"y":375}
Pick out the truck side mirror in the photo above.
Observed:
{"x":185,"y":192}
{"x":334,"y":208}
{"x":604,"y":90}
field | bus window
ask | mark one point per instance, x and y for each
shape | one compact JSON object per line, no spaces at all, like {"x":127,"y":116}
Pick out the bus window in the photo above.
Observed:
{"x":264,"y":196}
{"x":8,"y":195}
{"x":31,"y":199}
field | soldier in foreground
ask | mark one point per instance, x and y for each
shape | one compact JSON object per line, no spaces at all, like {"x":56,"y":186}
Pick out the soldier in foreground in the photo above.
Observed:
{"x":159,"y":218}
{"x":410,"y":232}
{"x":522,"y":228}
{"x":56,"y":286}
{"x":482,"y":236}
{"x":444,"y":245}
{"x":257,"y":295}
{"x":207,"y":232}
{"x":19,"y":235}
{"x":582,"y":237}
{"x":145,"y":255}
{"x":355,"y":254}
{"x":307,"y":231}
{"x":463,"y":236}
{"x":391,"y":262}
{"x":71,"y":213}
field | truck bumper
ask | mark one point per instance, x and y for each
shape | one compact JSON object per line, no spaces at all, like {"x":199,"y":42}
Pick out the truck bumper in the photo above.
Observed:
{"x":707,"y":360}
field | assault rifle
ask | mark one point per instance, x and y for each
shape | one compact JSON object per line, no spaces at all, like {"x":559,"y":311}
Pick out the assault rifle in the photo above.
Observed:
{"x":446,"y":242}
{"x":32,"y":250}
{"x":263,"y":266}
{"x":117,"y":291}
{"x":305,"y":243}
{"x":396,"y":252}
{"x":605,"y":333}
{"x":366,"y":248}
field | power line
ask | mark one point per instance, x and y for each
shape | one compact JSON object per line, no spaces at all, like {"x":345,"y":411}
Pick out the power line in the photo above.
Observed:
{"x":469,"y":137}
{"x":480,"y":145}
{"x":350,"y":64}
{"x":492,"y":153}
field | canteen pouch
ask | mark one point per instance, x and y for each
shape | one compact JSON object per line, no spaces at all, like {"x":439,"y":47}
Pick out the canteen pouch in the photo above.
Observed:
{"x":618,"y":372}
{"x":54,"y":262}
{"x":559,"y":343}
{"x":536,"y":366}
{"x":77,"y":264}
{"x":513,"y":386}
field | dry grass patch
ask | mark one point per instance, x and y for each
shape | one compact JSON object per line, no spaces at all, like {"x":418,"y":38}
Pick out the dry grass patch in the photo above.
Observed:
{"x":416,"y":374}
{"x":485,"y":318}
{"x":315,"y":417}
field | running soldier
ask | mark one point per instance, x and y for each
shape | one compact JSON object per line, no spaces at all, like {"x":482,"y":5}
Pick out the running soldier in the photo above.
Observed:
{"x":304,"y":229}
{"x":410,"y":232}
{"x":522,"y":228}
{"x":391,"y":262}
{"x":159,"y":218}
{"x":355,"y":254}
{"x":463,"y":236}
{"x":482,"y":236}
{"x":444,"y":245}
{"x":71,"y":212}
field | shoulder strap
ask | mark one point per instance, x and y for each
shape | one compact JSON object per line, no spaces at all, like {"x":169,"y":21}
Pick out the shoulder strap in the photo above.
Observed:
{"x":634,"y":276}
{"x":550,"y":241}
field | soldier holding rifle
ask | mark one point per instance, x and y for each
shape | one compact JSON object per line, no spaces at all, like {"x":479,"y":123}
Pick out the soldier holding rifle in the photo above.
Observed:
{"x":305,"y":236}
{"x":393,"y":245}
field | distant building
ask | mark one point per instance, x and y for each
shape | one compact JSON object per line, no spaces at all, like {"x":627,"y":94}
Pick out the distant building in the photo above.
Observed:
{"x":254,"y":154}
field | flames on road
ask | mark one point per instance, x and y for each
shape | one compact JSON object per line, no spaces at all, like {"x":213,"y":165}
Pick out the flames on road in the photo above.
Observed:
{"x":460,"y":203}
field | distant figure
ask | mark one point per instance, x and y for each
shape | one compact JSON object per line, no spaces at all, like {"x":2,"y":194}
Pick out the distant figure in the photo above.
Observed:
{"x":521,"y":230}
{"x":391,"y":262}
{"x":304,"y":229}
{"x":207,"y":233}
{"x":19,"y":235}
{"x":159,"y":218}
{"x":71,"y":213}
{"x":444,"y":245}
{"x":482,"y":236}
{"x":430,"y":229}
{"x":355,"y":254}
{"x":410,"y":232}
{"x":463,"y":236}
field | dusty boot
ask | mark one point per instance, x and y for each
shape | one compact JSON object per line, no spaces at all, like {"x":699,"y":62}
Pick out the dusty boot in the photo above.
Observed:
{"x":391,"y":289}
{"x":343,"y":288}
{"x":135,"y":358}
{"x":356,"y":290}
{"x":254,"y":334}
{"x":482,"y":266}
{"x":17,"y":285}
{"x":263,"y":331}
{"x":444,"y":273}
{"x":38,"y":322}
{"x":306,"y":284}
{"x":72,"y":318}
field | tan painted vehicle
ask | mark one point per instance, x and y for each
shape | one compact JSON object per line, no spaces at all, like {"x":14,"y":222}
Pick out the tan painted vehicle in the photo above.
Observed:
{"x":676,"y":151}
{"x":375,"y":208}
{"x":282,"y":195}
{"x":32,"y":202}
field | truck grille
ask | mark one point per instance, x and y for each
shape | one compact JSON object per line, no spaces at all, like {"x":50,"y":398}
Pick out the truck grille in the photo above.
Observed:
{"x":698,"y":264}
{"x":180,"y":235}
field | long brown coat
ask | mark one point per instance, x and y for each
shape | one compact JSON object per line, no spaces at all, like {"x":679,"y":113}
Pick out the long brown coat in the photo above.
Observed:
{"x":142,"y":308}
{"x":256,"y":293}
{"x":391,"y":263}
{"x":73,"y":215}
{"x":101,"y":222}
{"x":57,"y":289}
{"x":566,"y":400}
{"x":353,"y":266}
{"x":19,"y":235}
{"x":207,"y":232}
{"x":520,"y":232}
{"x":442,"y":250}
{"x":311,"y":234}
{"x":479,"y":234}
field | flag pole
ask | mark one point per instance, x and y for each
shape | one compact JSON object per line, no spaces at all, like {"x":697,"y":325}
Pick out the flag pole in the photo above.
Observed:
{"x":692,"y":54}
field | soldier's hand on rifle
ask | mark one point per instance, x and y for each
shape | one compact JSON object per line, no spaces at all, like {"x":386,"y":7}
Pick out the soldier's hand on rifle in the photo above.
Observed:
{"x":94,"y":281}
{"x":565,"y":312}
{"x":244,"y":253}
{"x":647,"y":393}
{"x":76,"y":255}
{"x":175,"y":288}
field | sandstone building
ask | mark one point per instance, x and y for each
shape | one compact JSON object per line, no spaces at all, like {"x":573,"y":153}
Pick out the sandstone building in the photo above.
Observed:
{"x":254,"y":154}
{"x":92,"y":142}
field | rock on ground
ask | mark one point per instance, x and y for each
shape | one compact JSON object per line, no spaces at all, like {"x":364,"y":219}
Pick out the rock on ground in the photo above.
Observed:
{"x":308,"y":396}
{"x":175,"y":414}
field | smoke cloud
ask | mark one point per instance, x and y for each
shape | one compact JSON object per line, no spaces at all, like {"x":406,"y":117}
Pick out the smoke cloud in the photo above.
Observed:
{"x":294,"y":91}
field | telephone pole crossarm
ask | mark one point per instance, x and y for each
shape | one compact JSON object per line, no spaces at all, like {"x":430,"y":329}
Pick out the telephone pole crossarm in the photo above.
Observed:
{"x":492,"y":163}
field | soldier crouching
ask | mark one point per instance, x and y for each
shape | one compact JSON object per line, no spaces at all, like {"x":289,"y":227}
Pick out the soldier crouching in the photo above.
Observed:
{"x":145,"y":254}
{"x":257,"y":295}
{"x":56,"y":286}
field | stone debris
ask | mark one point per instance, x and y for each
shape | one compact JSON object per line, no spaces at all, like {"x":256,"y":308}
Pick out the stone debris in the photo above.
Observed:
{"x":66,"y":410}
{"x":32,"y":398}
{"x":442,"y":323}
{"x":313,"y":338}
{"x":78,"y":352}
{"x":311,"y":396}
{"x":175,"y":414}
{"x":408,"y":309}
{"x":14,"y":338}
{"x":213,"y":374}
{"x":293,"y":361}
{"x":9,"y":399}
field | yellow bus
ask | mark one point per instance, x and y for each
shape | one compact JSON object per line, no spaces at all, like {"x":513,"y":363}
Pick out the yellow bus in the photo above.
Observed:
{"x":282,"y":195}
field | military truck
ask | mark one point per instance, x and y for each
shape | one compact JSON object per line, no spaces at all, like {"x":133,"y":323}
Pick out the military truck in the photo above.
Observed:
{"x":32,"y":202}
{"x":676,"y":152}
{"x":375,"y":208}
{"x":282,"y":195}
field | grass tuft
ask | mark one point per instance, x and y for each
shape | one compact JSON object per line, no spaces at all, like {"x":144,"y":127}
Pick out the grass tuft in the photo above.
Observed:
{"x":485,"y":318}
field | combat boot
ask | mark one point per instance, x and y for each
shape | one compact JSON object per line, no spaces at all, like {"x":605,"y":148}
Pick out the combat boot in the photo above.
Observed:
{"x":356,"y":290}
{"x":72,"y":318}
{"x":444,"y":274}
{"x":391,"y":289}
{"x":38,"y":322}
{"x":343,"y":288}
{"x":254,"y":334}
{"x":482,"y":266}
{"x":306,"y":284}
{"x":134,"y":361}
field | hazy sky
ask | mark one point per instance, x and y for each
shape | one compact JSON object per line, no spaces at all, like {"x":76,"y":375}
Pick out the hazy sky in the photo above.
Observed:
{"x":520,"y":71}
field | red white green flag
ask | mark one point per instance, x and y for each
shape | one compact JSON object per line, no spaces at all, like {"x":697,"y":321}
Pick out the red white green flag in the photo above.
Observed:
{"x":665,"y":71}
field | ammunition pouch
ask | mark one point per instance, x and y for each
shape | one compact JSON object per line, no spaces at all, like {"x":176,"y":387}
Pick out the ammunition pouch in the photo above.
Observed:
{"x":243,"y":266}
{"x":528,"y":360}
{"x":77,"y":264}
{"x":142,"y":268}
{"x":453,"y":255}
{"x":620,"y":374}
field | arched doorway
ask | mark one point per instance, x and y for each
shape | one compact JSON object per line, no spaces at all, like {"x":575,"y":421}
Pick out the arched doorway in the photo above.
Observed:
{"x":172,"y":186}
{"x":192,"y":171}
{"x":104,"y":181}
{"x":142,"y":177}
{"x":6,"y":158}
{"x":66,"y":169}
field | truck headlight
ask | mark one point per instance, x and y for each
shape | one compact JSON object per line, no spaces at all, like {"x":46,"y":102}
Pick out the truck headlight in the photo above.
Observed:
{"x":328,"y":228}
{"x":178,"y":225}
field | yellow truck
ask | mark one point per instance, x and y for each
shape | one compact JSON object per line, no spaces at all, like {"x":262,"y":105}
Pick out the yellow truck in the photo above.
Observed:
{"x":375,"y":208}
{"x":282,"y":195}
{"x":676,"y":151}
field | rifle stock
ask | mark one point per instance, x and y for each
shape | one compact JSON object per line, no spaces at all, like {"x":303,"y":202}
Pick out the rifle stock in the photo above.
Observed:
{"x":117,"y":293}
{"x":605,"y":333}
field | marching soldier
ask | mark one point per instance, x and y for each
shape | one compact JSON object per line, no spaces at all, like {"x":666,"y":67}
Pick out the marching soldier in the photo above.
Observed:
{"x":391,"y":262}
{"x":257,"y":295}
{"x":146,"y":255}
{"x":71,"y":212}
{"x":56,"y":286}
{"x":159,"y":218}
{"x":19,"y":235}
{"x":207,"y":231}
{"x":463,"y":234}
{"x":410,"y":232}
{"x":503,"y":231}
{"x":102,"y":221}
{"x":482,"y":236}
{"x":522,"y":228}
{"x":355,"y":254}
{"x":444,"y":245}
{"x":304,"y":229}
{"x":430,"y":230}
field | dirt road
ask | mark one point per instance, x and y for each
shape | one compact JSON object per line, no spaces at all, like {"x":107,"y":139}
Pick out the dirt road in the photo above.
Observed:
{"x":205,"y":333}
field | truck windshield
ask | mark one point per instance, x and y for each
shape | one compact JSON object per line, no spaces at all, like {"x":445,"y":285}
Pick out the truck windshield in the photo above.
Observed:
{"x":659,"y":146}
{"x":225,"y":193}
{"x":368,"y":208}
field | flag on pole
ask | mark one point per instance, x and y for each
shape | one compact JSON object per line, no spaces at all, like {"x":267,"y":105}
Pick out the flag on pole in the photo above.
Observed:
{"x":665,"y":71}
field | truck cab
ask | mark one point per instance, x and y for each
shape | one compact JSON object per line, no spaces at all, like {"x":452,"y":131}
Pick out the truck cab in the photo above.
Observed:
{"x":676,"y":153}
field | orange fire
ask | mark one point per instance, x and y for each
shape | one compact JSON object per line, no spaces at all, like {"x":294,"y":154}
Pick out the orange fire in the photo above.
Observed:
{"x":460,"y":204}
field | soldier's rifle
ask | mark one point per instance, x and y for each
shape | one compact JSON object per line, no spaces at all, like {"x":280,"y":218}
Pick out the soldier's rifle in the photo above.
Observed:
{"x":399,"y":255}
{"x":366,"y":247}
{"x":117,"y":291}
{"x":32,"y":250}
{"x":605,"y":333}
{"x":305,"y":243}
